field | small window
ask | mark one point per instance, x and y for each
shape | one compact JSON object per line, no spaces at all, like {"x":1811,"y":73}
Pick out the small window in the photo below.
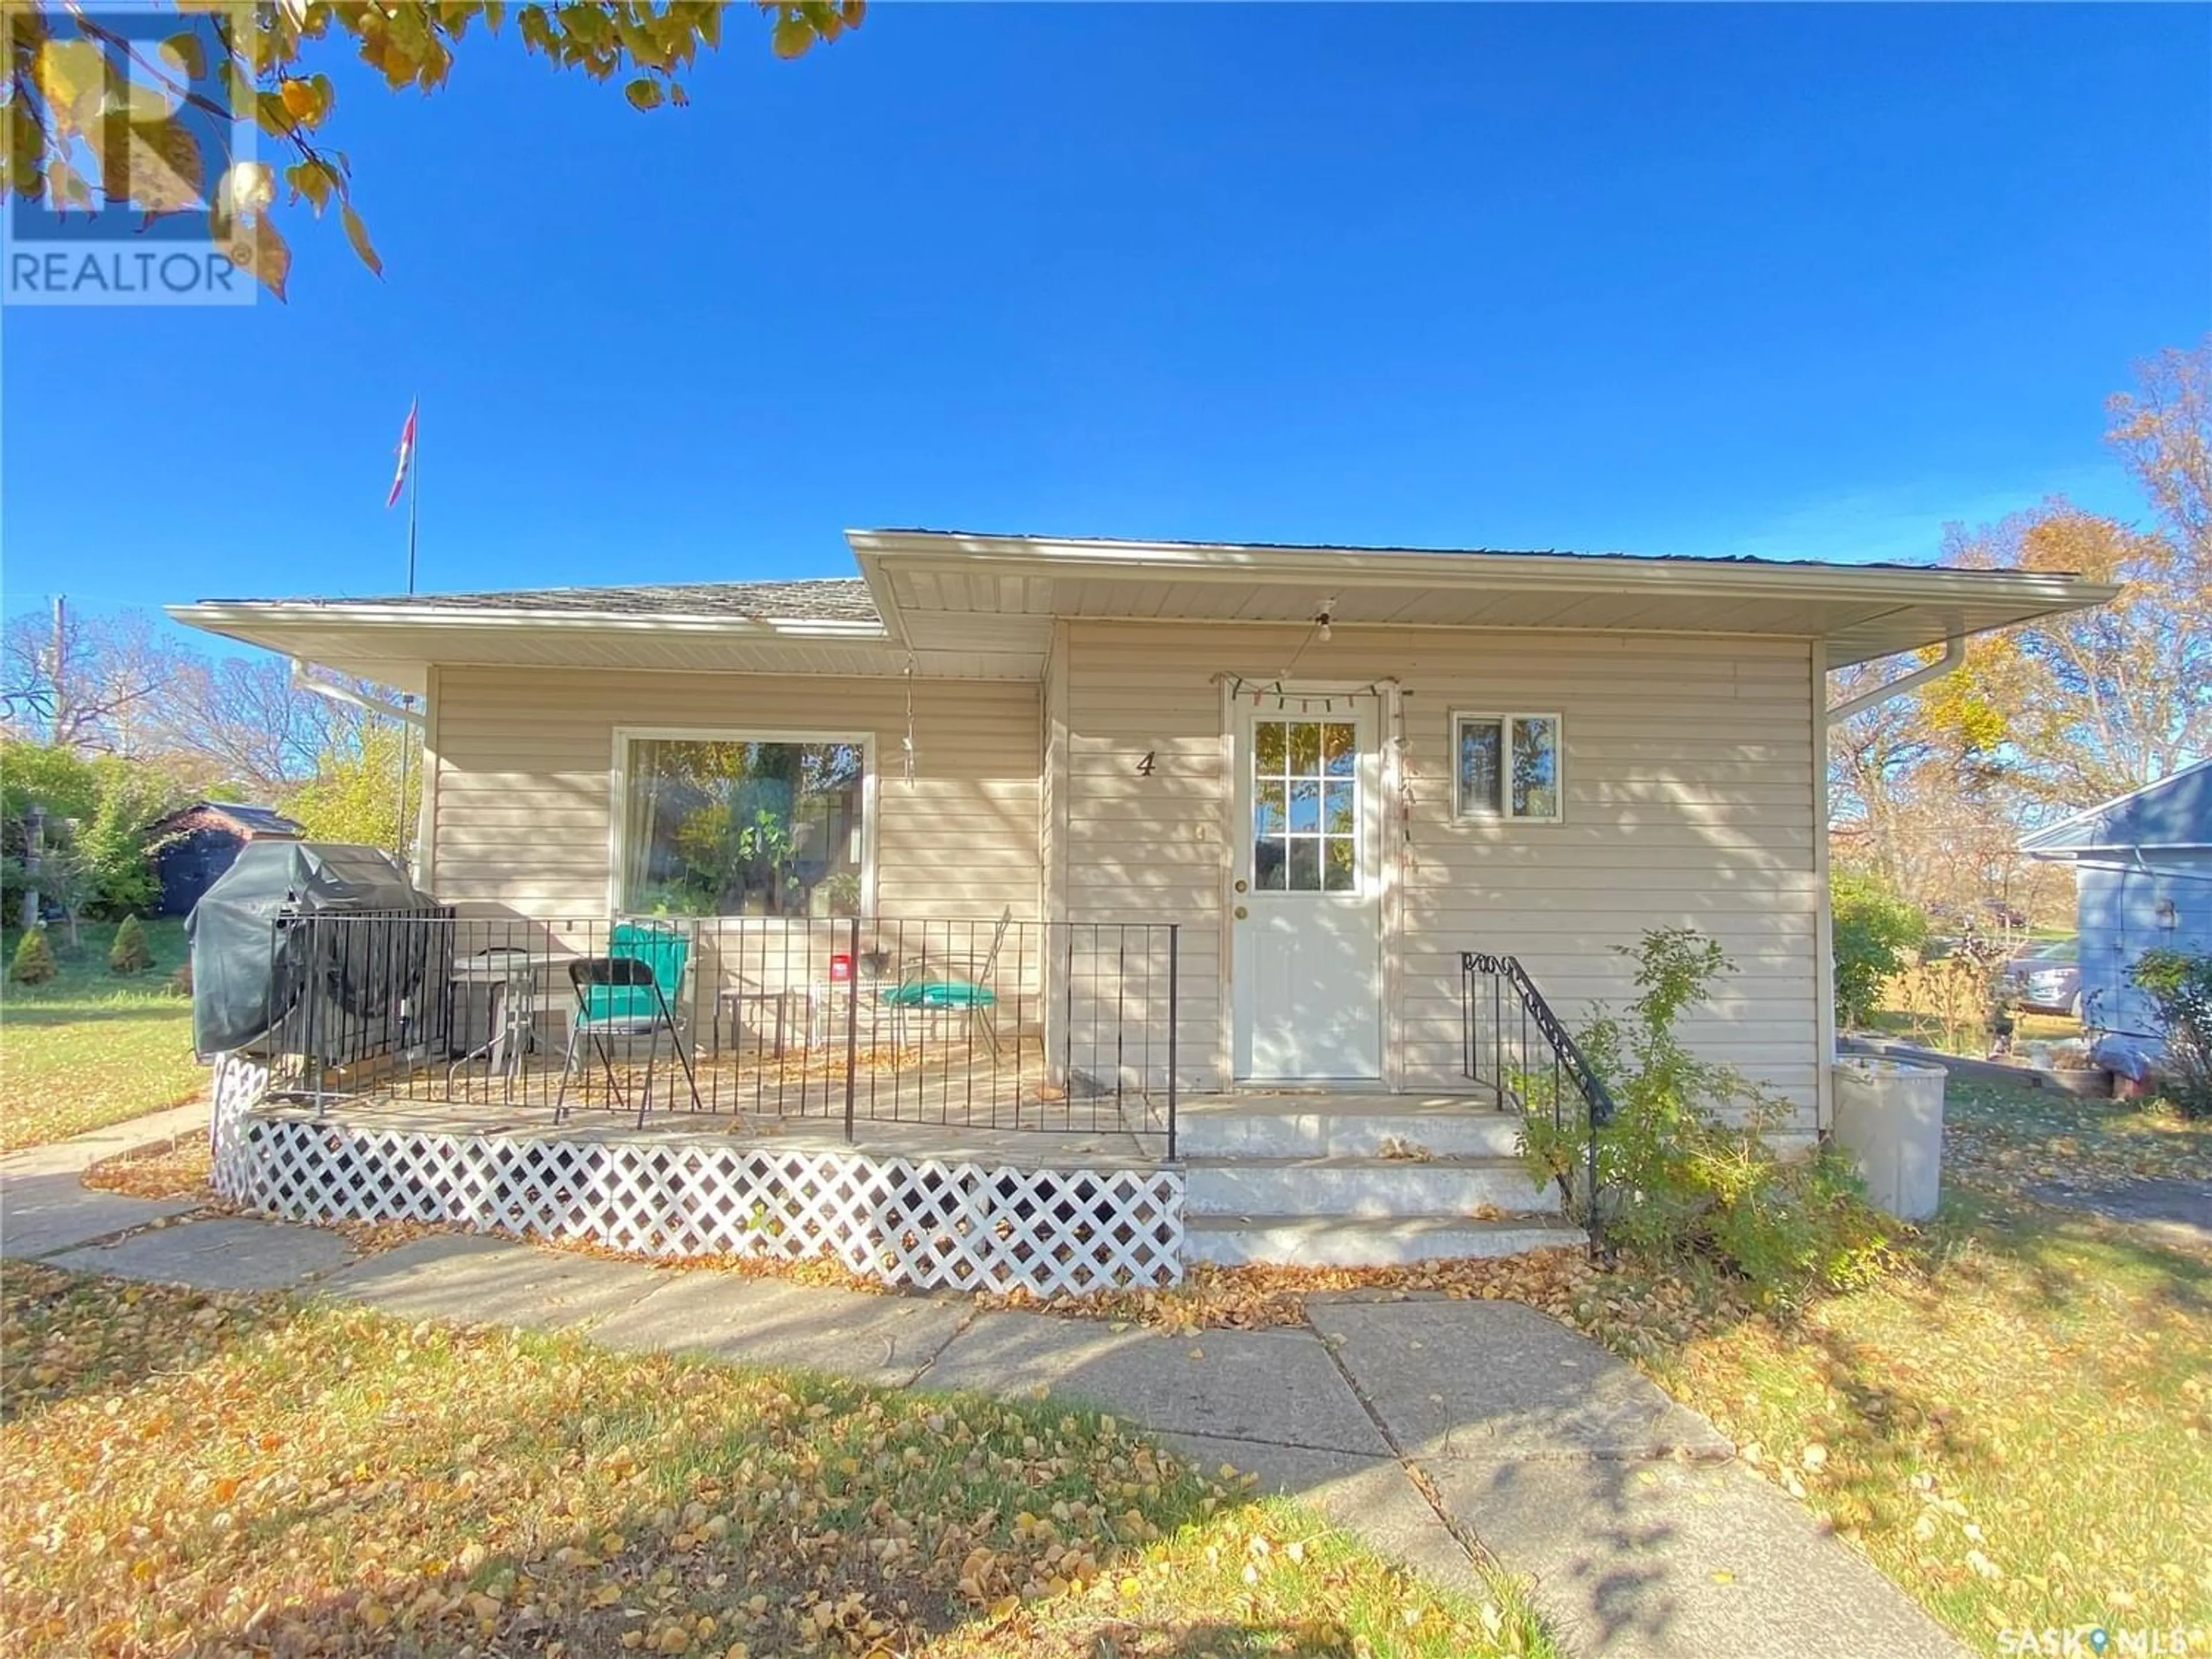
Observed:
{"x":1507,"y":767}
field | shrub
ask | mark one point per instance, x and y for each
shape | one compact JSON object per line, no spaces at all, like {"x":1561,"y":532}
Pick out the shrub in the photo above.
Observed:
{"x":354,"y":794}
{"x":99,"y":815}
{"x":1684,"y":1168}
{"x":34,"y":963}
{"x":130,"y":953}
{"x":115,"y":846}
{"x":1873,"y":930}
{"x":2179,"y":986}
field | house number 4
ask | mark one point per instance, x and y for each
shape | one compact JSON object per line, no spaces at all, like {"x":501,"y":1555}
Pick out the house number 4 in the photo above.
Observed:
{"x":1145,"y":766}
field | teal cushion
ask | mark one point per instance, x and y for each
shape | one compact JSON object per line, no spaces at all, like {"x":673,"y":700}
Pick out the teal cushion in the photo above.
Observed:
{"x":940,"y":994}
{"x":664,"y":950}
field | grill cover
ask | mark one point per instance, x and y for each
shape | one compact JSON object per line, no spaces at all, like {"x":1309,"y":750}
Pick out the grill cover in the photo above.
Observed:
{"x":249,"y":969}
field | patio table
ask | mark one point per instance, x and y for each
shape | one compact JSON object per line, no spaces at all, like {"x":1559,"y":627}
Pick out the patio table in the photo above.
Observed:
{"x":513,"y":978}
{"x":733,"y":1000}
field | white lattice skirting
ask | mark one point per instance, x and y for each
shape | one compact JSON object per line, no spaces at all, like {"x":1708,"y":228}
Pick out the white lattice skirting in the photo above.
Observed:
{"x":907,"y":1221}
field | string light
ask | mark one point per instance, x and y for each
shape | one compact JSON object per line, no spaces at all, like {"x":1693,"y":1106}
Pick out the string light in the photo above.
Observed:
{"x":1262,"y":690}
{"x":908,"y":756}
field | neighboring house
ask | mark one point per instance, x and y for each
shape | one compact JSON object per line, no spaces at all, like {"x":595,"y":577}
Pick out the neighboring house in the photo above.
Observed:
{"x":2143,"y":880}
{"x":199,"y":843}
{"x":1338,"y":768}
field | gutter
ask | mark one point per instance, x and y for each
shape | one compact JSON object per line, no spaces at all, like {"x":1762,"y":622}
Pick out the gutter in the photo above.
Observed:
{"x":303,"y":681}
{"x":1954,"y":654}
{"x":215,"y":615}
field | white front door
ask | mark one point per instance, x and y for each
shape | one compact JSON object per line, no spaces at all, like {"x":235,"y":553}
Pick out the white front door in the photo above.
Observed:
{"x":1306,"y":909}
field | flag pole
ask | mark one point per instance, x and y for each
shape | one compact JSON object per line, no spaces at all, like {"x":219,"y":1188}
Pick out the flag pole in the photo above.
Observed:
{"x":414,"y":492}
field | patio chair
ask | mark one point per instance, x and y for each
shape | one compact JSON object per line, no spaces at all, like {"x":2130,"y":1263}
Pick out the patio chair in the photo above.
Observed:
{"x":935,"y":994}
{"x":625,"y":993}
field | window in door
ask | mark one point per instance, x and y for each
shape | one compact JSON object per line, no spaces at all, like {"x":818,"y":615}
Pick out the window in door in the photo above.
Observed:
{"x":1305,"y":806}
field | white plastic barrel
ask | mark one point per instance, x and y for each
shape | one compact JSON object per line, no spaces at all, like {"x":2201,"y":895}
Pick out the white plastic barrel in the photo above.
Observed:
{"x":1889,"y":1117}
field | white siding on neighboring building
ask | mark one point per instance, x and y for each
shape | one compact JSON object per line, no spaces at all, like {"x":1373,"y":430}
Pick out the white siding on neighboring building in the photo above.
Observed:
{"x":1689,"y":771}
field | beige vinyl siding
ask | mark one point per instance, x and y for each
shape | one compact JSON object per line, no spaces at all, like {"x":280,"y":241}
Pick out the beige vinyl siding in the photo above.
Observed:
{"x":1689,"y":788}
{"x":524,"y":768}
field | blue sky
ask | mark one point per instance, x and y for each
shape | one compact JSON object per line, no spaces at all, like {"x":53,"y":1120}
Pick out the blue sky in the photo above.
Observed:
{"x":1797,"y":281}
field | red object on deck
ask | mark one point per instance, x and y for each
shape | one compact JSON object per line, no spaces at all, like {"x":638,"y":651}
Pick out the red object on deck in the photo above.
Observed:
{"x":840,"y":968}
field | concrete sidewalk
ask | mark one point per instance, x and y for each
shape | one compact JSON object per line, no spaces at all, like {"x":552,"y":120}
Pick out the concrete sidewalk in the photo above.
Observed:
{"x":44,"y":1206}
{"x":1432,"y":1427}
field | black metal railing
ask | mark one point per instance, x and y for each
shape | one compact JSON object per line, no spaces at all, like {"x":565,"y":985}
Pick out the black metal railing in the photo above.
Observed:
{"x":1001,"y":1024}
{"x":1514,"y":1047}
{"x":336,"y":1000}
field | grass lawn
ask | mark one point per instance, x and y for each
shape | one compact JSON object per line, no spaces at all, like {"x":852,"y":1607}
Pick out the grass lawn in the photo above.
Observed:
{"x":1927,"y":1031}
{"x":191,"y":1473}
{"x":88,"y":1049}
{"x":2017,"y":1426}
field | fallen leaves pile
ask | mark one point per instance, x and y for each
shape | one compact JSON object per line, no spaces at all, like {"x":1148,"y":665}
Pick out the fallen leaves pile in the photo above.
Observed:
{"x":189,"y":1472}
{"x":2005,"y":1139}
{"x":173,"y":1168}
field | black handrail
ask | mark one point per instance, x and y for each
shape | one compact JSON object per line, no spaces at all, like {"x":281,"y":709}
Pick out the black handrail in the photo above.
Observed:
{"x":1507,"y":1045}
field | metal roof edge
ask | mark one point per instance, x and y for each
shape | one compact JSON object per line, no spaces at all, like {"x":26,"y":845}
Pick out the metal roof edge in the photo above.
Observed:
{"x":2049,"y":839}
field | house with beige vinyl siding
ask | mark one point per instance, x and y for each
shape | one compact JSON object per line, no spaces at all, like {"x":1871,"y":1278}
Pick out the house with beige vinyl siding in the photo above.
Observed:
{"x":1341,"y":775}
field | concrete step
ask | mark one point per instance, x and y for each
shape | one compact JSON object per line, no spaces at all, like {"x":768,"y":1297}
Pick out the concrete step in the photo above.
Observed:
{"x":1368,"y":1241}
{"x":1320,"y":1127}
{"x":1379,"y":1187}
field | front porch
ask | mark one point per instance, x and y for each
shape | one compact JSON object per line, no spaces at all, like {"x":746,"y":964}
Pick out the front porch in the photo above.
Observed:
{"x":940,"y":1104}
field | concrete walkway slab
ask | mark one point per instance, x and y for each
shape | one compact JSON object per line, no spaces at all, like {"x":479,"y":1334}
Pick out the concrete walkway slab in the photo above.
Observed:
{"x":1672,"y":1560}
{"x":1493,"y":1379}
{"x":41,"y":1214}
{"x":1279,"y":1386}
{"x":1640,"y":1535}
{"x":220,"y":1254}
{"x":475,"y":1280}
{"x":1372,"y":1497}
{"x":884,"y":1339}
{"x":80,"y":1152}
{"x":2166,"y":1208}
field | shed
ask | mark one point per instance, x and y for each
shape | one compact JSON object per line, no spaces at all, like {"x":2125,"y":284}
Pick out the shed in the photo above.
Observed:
{"x":2143,"y":880}
{"x":199,"y":843}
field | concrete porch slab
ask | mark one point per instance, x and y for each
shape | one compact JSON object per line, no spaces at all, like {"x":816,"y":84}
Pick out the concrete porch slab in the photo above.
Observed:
{"x":1279,"y":1386}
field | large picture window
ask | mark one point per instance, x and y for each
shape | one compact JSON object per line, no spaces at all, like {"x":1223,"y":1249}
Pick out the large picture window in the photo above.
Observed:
{"x":1507,"y":767}
{"x":733,"y":825}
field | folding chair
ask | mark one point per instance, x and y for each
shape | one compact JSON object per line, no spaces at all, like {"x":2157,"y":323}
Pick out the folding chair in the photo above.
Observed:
{"x":922,"y":992}
{"x":620,"y":994}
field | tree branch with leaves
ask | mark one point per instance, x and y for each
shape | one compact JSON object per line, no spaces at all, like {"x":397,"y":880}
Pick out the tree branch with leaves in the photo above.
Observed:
{"x":96,"y":117}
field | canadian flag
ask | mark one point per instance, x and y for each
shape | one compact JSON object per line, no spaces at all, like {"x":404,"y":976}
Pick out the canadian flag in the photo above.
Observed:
{"x":406,"y":457}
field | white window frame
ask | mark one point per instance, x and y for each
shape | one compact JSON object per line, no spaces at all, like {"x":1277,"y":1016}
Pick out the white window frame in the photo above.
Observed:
{"x":1505,"y":721}
{"x":618,"y":805}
